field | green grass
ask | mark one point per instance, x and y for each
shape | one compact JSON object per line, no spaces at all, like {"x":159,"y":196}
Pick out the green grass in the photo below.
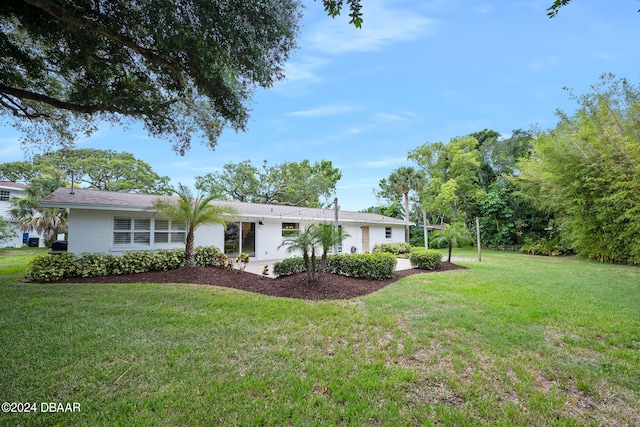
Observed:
{"x":514,"y":340}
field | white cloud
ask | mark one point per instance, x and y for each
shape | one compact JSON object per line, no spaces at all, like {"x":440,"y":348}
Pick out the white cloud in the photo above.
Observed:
{"x":299,"y":75}
{"x":304,"y":69}
{"x":383,"y":25}
{"x":386,"y":117}
{"x":326,"y":110}
{"x":369,"y":184}
{"x":384,"y":163}
{"x":380,"y":120}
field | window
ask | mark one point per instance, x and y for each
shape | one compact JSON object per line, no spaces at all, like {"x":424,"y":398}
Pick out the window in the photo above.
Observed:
{"x":290,"y":229}
{"x":139,"y":231}
{"x":387,"y":232}
{"x":4,"y":196}
{"x":131,"y":230}
{"x":166,"y":231}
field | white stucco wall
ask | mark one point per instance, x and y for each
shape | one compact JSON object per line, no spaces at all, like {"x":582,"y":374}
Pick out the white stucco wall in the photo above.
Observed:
{"x":92,"y":231}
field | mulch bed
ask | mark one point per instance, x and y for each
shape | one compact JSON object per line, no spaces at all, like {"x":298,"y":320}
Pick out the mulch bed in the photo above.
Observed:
{"x":330,"y":286}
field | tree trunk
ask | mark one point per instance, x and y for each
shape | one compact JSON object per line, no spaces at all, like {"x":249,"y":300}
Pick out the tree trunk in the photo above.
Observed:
{"x":323,"y":264}
{"x":307,"y":265}
{"x":189,"y":258}
{"x":407,"y":233}
{"x":450,"y":248}
{"x":313,"y":265}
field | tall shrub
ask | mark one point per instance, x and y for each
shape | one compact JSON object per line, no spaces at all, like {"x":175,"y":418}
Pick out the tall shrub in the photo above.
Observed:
{"x":587,"y":172}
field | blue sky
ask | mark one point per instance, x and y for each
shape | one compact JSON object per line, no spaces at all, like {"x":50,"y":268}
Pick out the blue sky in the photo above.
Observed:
{"x":418,"y":71}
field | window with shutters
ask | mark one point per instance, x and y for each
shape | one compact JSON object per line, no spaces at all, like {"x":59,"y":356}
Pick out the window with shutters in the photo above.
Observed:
{"x":387,"y":232}
{"x":166,"y":231}
{"x":147,"y":231}
{"x":128,"y":231}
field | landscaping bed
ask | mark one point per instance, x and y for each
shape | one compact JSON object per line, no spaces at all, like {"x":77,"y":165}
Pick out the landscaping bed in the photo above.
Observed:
{"x":330,"y":286}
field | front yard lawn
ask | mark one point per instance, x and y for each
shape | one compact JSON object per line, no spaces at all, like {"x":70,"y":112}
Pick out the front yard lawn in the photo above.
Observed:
{"x":514,"y":340}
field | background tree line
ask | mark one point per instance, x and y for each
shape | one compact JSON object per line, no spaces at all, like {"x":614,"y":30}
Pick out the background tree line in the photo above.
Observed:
{"x":577,"y":184}
{"x":290,"y":183}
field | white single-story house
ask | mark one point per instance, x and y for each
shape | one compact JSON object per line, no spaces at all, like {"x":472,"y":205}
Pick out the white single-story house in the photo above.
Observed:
{"x":111,"y":222}
{"x":8,"y":191}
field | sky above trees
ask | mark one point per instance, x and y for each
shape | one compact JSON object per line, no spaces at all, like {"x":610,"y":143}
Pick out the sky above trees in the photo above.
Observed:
{"x":416,"y":72}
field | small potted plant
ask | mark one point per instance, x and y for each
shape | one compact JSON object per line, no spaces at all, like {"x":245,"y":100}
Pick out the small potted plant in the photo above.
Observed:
{"x":242,"y":260}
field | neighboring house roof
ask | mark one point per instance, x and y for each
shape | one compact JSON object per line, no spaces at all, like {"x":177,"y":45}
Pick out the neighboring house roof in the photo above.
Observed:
{"x":435,"y":227}
{"x":13,"y":185}
{"x":111,"y":200}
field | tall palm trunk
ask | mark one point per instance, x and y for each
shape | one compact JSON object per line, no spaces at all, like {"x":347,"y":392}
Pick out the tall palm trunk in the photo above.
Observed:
{"x":407,"y":233}
{"x":189,"y":256}
{"x":307,"y":265}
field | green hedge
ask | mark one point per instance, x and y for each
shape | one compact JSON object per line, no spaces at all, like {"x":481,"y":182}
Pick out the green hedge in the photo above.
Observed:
{"x":426,"y":259}
{"x":49,"y":268}
{"x":376,"y":266}
{"x":393,"y":248}
{"x":288,"y":266}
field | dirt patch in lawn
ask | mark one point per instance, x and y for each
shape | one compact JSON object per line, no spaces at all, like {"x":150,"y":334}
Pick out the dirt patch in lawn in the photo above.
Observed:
{"x":330,"y":286}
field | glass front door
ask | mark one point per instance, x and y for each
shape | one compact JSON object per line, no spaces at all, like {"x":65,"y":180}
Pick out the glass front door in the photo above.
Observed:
{"x":249,"y":238}
{"x":232,"y":239}
{"x":240,"y":237}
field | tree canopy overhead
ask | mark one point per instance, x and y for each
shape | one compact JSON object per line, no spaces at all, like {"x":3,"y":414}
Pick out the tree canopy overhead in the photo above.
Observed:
{"x":552,"y":11}
{"x":179,"y":67}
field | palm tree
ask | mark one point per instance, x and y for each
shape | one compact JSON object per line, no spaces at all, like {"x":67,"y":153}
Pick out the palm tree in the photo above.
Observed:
{"x":193,"y":212}
{"x":455,"y":234}
{"x":323,"y":236}
{"x":304,"y":241}
{"x":327,"y":236}
{"x":48,"y":222}
{"x":401,"y":181}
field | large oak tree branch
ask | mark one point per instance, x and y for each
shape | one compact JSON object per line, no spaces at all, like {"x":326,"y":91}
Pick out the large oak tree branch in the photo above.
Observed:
{"x":54,"y":102}
{"x":81,"y":22}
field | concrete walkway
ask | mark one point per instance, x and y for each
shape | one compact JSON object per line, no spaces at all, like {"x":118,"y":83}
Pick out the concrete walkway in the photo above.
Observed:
{"x":257,"y":266}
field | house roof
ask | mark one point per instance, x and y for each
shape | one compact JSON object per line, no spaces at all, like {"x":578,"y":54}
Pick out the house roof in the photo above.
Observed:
{"x":111,"y":200}
{"x":13,"y":185}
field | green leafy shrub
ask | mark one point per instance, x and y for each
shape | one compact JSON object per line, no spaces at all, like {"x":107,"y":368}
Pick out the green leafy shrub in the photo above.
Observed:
{"x":90,"y":265}
{"x":167,"y":259}
{"x":132,"y":262}
{"x":288,"y":266}
{"x":544,"y":247}
{"x":393,"y":248}
{"x":48,"y":268}
{"x":207,"y":256}
{"x":426,"y":259}
{"x":376,"y":266}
